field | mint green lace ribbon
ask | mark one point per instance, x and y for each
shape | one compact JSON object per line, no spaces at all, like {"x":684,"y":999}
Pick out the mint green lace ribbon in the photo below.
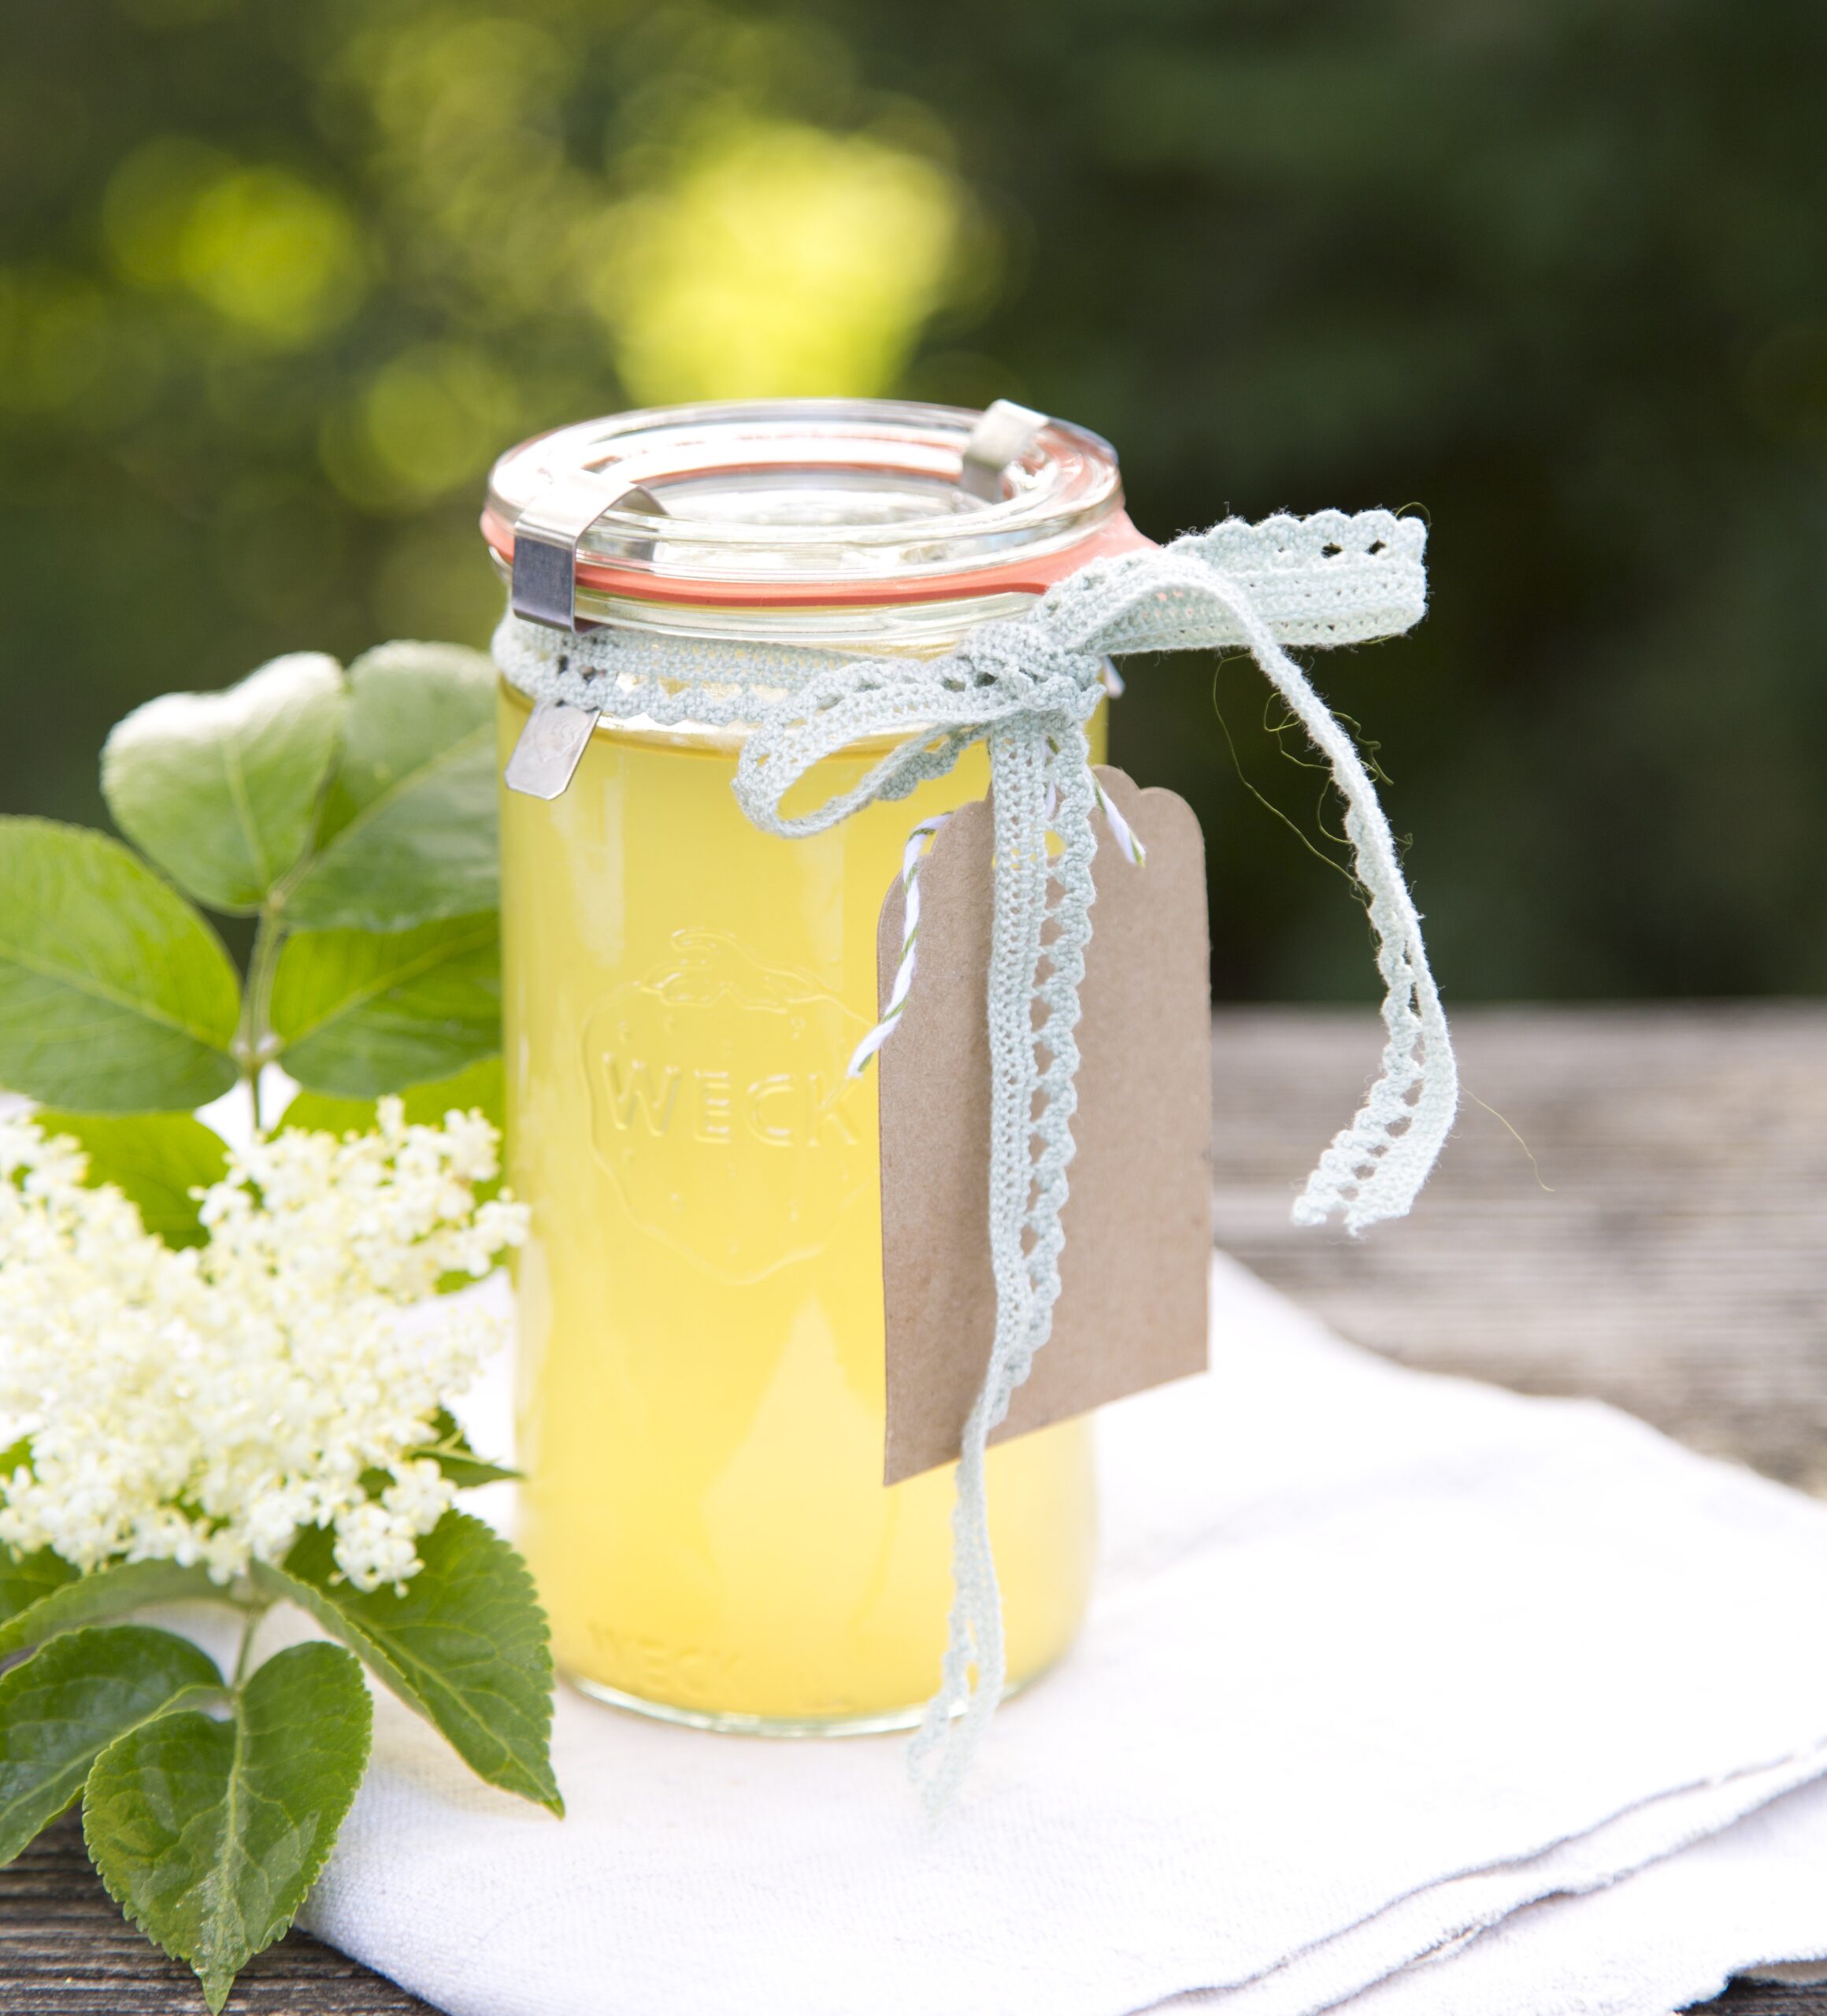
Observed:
{"x":1027,"y":685}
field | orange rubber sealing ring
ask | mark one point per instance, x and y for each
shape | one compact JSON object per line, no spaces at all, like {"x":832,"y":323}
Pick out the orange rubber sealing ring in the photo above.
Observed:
{"x":1116,"y":534}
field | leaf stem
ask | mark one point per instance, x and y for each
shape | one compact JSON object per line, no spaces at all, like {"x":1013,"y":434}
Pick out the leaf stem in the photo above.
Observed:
{"x":253,"y":1040}
{"x":251,"y":1624}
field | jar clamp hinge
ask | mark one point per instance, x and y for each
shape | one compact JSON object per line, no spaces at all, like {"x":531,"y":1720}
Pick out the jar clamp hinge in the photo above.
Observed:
{"x":544,"y":588}
{"x":1003,"y":434}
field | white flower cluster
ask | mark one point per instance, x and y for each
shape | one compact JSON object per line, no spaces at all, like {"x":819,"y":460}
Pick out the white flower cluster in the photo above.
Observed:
{"x":205,"y":1405}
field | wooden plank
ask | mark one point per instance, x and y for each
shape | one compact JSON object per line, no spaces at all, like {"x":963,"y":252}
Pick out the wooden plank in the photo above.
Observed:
{"x":1764,"y":1999}
{"x":1665,"y":1249}
{"x":65,"y":1947}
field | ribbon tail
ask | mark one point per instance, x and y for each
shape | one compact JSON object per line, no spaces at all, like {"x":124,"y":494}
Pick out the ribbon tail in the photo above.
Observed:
{"x":940,"y":1757}
{"x":1374,"y":1168}
{"x":959,"y":1713}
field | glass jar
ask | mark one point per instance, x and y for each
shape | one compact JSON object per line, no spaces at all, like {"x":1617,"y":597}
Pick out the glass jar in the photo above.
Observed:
{"x":701,"y":1375}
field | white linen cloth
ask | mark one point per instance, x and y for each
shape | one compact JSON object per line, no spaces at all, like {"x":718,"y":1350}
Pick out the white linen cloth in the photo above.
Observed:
{"x":1377,"y":1663}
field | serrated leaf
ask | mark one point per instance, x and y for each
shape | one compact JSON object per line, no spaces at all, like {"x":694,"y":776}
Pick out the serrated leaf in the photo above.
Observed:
{"x":102,"y":1593}
{"x":450,"y":1449}
{"x":26,"y":1579}
{"x":155,"y":1159}
{"x":209,"y":1834}
{"x":408,"y":827}
{"x":465,"y":1645}
{"x":361,"y":1012}
{"x":477,"y":1087}
{"x":64,"y":1706}
{"x":115,"y":995}
{"x":222,"y":789}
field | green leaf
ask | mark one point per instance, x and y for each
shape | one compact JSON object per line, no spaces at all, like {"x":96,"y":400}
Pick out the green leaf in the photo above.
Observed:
{"x":26,"y":1579}
{"x":322,"y":1112}
{"x":222,"y":789}
{"x":64,"y":1706}
{"x":209,"y":1834}
{"x":103,"y":1592}
{"x":408,"y":827}
{"x":450,"y":1448}
{"x":360,"y":1013}
{"x":155,"y":1158}
{"x":476,"y":1088}
{"x":465,"y":1645}
{"x":115,"y":995}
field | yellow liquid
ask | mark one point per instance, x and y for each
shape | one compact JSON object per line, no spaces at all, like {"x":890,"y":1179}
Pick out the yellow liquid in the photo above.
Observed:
{"x":701,"y":1365}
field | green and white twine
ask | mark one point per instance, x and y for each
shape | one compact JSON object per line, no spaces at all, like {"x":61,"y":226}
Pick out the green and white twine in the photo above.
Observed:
{"x":913,"y":856}
{"x":1026,"y":685}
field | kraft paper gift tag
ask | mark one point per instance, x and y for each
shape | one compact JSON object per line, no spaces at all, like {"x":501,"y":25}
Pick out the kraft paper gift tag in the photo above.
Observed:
{"x":1131,"y":1310}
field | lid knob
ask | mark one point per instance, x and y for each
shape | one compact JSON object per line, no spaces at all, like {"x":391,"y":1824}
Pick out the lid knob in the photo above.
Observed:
{"x":1004,"y":433}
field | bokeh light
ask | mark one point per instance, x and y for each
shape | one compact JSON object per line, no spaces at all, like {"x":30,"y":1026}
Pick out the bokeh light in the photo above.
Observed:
{"x":273,"y":255}
{"x":428,"y":422}
{"x":779,"y":262}
{"x":277,"y":259}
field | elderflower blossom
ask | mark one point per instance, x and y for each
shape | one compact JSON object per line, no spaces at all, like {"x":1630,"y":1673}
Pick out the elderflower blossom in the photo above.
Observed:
{"x":203,"y":1406}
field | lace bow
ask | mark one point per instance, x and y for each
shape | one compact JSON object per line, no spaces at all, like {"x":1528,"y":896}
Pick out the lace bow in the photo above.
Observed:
{"x":1027,"y":685}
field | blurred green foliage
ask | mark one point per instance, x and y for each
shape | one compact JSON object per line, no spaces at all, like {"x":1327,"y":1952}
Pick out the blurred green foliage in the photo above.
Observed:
{"x":279,"y":277}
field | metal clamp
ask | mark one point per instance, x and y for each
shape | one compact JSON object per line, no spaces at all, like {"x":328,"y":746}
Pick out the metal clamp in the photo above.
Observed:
{"x":546,"y":539}
{"x":546,"y":533}
{"x":551,"y":746}
{"x":1003,"y":434}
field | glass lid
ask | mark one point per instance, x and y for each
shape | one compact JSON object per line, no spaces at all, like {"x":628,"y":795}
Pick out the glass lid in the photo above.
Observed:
{"x":816,"y":501}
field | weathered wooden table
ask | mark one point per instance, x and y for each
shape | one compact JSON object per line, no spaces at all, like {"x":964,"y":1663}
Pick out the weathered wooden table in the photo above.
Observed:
{"x":1661,"y":1241}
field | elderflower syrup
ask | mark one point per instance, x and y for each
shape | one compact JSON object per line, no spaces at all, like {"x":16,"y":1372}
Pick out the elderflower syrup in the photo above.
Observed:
{"x":700,"y":1326}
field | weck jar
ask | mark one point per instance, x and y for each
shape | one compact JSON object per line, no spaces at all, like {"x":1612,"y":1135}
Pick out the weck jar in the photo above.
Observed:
{"x":701,"y":1375}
